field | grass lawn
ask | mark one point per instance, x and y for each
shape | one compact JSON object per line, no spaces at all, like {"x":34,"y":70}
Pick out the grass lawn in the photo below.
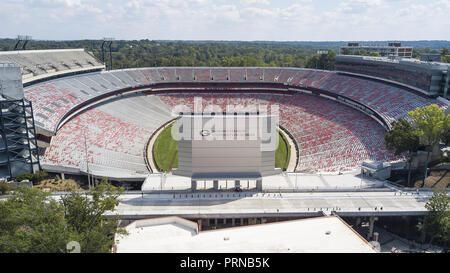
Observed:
{"x":165,"y":151}
{"x":283,"y":153}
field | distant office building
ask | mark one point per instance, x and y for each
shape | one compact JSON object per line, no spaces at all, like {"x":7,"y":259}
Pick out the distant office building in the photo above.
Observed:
{"x":18,"y":148}
{"x":431,"y":78}
{"x":391,"y":50}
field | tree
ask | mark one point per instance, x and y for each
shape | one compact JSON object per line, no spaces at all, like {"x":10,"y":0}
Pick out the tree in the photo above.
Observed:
{"x":445,"y":55}
{"x":346,"y":51}
{"x":437,"y":221}
{"x":321,"y":61}
{"x":24,"y":176}
{"x":33,"y":221}
{"x":5,"y":187}
{"x":446,"y":137}
{"x":430,"y":124}
{"x":84,"y":214}
{"x":33,"y":177}
{"x":403,"y":138}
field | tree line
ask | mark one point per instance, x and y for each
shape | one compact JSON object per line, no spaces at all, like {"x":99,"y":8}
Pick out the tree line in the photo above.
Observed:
{"x":146,"y":53}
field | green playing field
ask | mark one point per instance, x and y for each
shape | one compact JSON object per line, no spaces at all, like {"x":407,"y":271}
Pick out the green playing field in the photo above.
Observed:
{"x":165,"y":151}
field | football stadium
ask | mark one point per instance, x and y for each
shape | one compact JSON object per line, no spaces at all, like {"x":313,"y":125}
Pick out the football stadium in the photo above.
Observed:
{"x":100,"y":122}
{"x":65,"y":113}
{"x":225,"y":132}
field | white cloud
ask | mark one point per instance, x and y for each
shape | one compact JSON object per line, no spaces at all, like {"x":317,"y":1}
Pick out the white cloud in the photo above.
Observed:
{"x":256,"y":2}
{"x":227,"y":19}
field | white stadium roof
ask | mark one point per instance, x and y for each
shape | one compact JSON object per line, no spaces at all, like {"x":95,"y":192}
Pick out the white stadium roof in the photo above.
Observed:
{"x":174,"y":234}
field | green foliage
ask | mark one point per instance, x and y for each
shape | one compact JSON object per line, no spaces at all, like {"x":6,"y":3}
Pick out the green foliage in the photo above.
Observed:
{"x":39,"y":176}
{"x":437,"y":221}
{"x":418,"y":51}
{"x":321,"y":61}
{"x":145,"y":53}
{"x":427,"y":127}
{"x":5,"y":187}
{"x":24,"y":176}
{"x":35,"y":178}
{"x":445,"y":55}
{"x":84,"y":214}
{"x":33,"y":221}
{"x":402,"y":138}
{"x":446,"y":134}
{"x":430,"y":123}
{"x":104,"y":180}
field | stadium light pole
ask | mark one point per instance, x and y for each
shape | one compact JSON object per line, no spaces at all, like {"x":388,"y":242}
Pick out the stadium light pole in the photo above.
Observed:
{"x":103,"y":51}
{"x":17,"y":44}
{"x":87,"y":158}
{"x":22,"y":38}
{"x":110,"y":56}
{"x":108,"y":42}
{"x":27,"y":39}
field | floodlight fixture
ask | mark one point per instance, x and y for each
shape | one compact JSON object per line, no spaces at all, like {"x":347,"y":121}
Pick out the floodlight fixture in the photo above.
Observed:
{"x":22,"y":38}
{"x":107,"y":42}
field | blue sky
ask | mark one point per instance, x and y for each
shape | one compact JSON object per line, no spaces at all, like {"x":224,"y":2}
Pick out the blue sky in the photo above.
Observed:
{"x":277,"y":20}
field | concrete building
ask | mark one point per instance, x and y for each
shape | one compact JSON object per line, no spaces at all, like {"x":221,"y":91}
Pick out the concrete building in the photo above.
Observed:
{"x":174,"y":234}
{"x":432,"y":78}
{"x":390,"y":50}
{"x":377,"y":170}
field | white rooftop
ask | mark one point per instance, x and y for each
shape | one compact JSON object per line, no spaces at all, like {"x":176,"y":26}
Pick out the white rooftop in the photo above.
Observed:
{"x":174,"y":234}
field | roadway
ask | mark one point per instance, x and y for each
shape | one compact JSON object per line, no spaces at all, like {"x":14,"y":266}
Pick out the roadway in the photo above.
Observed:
{"x":229,"y":204}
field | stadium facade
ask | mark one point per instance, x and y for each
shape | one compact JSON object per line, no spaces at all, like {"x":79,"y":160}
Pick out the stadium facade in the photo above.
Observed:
{"x":91,"y":121}
{"x":433,"y":78}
